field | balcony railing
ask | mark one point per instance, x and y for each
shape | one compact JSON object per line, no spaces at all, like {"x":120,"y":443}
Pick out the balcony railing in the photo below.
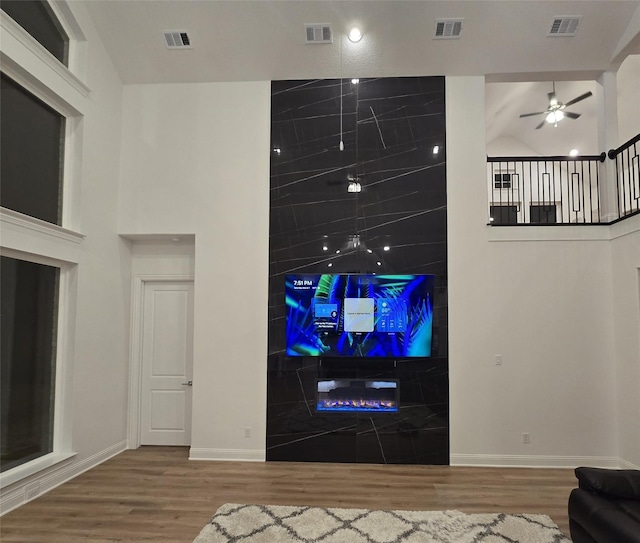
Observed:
{"x":557,"y":190}
{"x":627,"y":168}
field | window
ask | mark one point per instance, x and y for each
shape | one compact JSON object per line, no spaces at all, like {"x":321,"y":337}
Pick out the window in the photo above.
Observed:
{"x":503,"y":214}
{"x":28,"y":321}
{"x":505,"y":180}
{"x":542,"y":214}
{"x":32,"y":153}
{"x":42,"y":104}
{"x":37,"y":18}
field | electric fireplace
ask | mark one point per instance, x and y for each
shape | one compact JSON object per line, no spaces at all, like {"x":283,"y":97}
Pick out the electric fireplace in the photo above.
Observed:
{"x":359,"y":395}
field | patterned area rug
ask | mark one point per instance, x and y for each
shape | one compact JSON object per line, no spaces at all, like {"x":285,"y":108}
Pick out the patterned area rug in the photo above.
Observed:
{"x":234,"y":523}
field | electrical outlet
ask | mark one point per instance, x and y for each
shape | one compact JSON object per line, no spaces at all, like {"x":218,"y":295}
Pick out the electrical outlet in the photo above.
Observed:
{"x":525,"y":438}
{"x":247,"y":431}
{"x":498,"y":360}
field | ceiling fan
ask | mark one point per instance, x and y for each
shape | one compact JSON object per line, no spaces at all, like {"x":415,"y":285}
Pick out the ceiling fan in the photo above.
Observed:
{"x":556,"y":110}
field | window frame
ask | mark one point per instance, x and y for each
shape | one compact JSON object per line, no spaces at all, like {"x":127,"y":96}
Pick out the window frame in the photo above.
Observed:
{"x":508,"y":208}
{"x":539,"y":205}
{"x":64,"y":89}
{"x":506,"y":180}
{"x":63,"y":157}
{"x":21,"y":62}
{"x":62,"y":408}
{"x":61,"y":34}
{"x":76,"y":64}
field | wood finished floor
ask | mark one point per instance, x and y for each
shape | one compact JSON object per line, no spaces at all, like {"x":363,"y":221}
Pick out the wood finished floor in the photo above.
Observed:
{"x":157,"y":494}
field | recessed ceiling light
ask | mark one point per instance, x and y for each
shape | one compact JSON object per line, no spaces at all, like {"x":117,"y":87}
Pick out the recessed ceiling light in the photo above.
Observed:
{"x":330,"y":264}
{"x":573,"y":152}
{"x":369,"y":251}
{"x":355,"y":81}
{"x":436,"y":149}
{"x":386,"y":248}
{"x":325,"y":248}
{"x":379,"y":263}
{"x":355,"y":35}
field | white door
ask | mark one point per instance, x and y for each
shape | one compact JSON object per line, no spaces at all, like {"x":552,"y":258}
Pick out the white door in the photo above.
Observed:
{"x":167,"y":362}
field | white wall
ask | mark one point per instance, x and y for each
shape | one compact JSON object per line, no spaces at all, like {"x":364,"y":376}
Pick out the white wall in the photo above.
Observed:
{"x":628,"y":82}
{"x":196,"y":160}
{"x":150,"y":256}
{"x":626,"y":361}
{"x":508,"y":146}
{"x":626,"y":283}
{"x":98,"y":325}
{"x":104,"y":269}
{"x":545,"y":306}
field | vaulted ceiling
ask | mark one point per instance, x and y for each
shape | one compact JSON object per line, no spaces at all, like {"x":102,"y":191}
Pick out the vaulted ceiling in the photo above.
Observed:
{"x":506,"y":41}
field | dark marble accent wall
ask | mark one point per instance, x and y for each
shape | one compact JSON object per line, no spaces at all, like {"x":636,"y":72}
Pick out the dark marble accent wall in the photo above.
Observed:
{"x":389,"y":128}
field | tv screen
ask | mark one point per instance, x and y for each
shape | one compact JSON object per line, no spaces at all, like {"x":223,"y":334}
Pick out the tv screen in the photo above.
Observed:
{"x":359,"y":315}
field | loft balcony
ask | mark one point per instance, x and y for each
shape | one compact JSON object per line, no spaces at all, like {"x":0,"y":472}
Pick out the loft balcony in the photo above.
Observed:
{"x":560,"y":190}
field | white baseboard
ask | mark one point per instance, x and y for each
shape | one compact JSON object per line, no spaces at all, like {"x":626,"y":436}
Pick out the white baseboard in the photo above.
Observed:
{"x":242,"y":455}
{"x":624,"y":464}
{"x":33,"y":487}
{"x":533,"y":461}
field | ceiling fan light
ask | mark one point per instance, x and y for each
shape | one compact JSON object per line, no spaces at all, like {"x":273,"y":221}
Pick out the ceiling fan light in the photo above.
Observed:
{"x":555,"y":116}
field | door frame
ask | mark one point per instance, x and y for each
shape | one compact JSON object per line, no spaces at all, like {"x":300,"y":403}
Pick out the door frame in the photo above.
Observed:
{"x":135,"y":351}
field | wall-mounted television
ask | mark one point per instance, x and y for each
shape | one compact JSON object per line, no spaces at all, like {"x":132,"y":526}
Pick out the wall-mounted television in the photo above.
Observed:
{"x":342,"y":315}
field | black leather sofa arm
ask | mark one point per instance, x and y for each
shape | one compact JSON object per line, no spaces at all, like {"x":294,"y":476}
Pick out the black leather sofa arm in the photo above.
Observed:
{"x":620,"y":484}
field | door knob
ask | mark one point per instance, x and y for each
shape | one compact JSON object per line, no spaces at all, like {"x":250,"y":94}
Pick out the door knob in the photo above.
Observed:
{"x":188,"y":383}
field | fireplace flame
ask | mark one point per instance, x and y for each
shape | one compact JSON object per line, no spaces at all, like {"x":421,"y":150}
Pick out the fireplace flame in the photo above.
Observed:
{"x":356,"y":405}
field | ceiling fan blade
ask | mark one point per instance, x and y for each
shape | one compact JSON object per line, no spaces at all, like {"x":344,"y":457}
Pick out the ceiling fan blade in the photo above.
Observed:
{"x":571,"y":115}
{"x":541,"y":124}
{"x":578,"y":98}
{"x":532,"y":114}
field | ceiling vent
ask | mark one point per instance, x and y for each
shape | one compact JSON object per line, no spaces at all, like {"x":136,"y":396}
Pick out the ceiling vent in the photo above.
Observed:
{"x":318,"y":33}
{"x":564,"y":26}
{"x":177,"y":39}
{"x":448,"y":29}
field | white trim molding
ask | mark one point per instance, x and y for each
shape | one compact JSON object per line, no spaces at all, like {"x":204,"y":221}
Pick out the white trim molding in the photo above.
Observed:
{"x":625,"y":227}
{"x":233,"y":455}
{"x":54,"y":460}
{"x":15,"y":218}
{"x":624,"y":464}
{"x":545,"y":233}
{"x":532,"y":461}
{"x":567,"y":232}
{"x":13,"y":29}
{"x":135,"y":351}
{"x":29,"y":489}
